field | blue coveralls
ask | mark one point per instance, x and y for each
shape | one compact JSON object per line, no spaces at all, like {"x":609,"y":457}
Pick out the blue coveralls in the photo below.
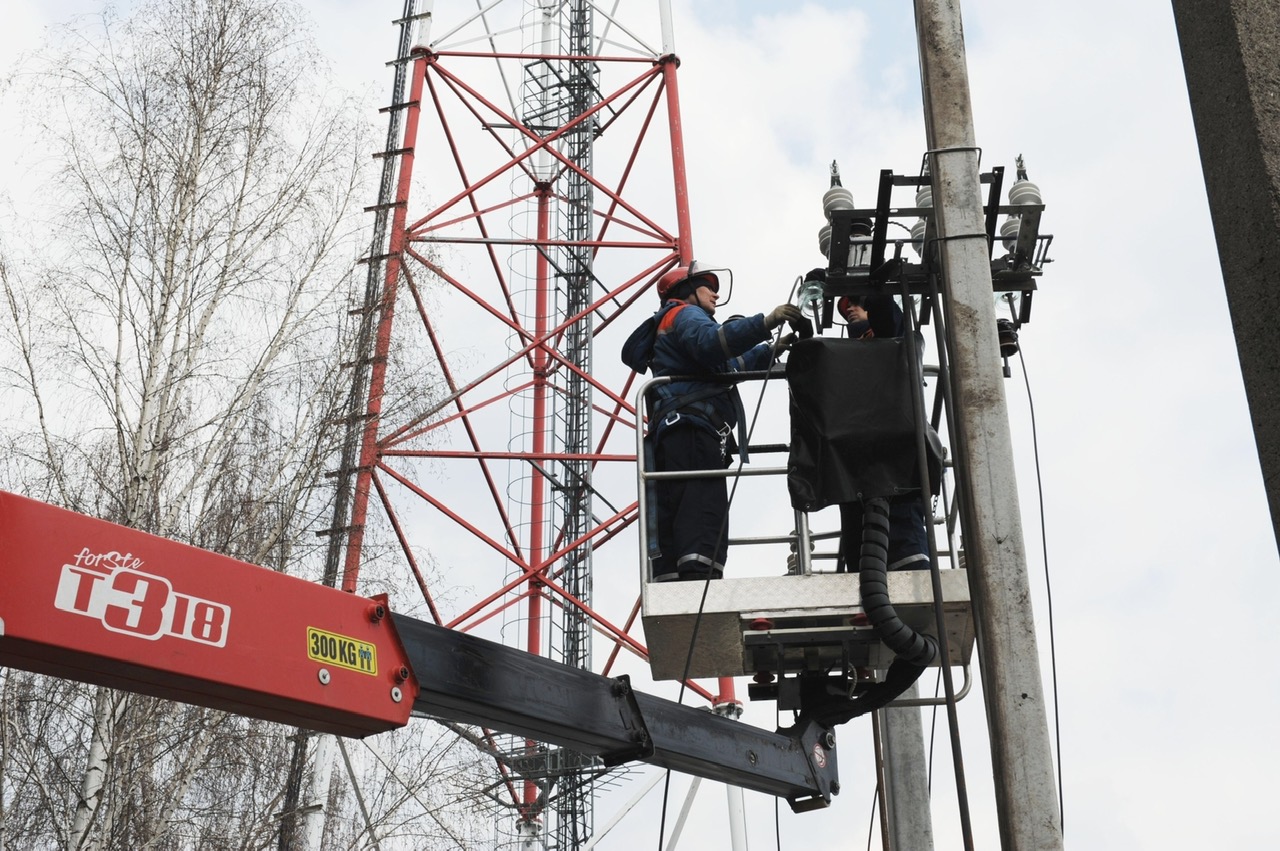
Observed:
{"x":690,"y":424}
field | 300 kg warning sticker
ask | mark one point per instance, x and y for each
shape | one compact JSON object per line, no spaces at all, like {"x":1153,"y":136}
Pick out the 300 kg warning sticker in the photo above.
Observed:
{"x":332,"y":649}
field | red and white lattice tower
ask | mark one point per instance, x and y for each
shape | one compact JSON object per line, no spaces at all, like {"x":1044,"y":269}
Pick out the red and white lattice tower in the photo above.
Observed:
{"x":534,"y":190}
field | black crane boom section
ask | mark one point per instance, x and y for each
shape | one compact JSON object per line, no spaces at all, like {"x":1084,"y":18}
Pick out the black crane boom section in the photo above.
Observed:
{"x":471,"y":680}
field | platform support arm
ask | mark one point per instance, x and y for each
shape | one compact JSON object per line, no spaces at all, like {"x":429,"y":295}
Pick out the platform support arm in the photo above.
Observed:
{"x":471,"y":680}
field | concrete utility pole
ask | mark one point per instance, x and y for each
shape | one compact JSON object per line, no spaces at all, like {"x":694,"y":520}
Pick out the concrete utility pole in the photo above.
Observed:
{"x":1011,"y":683}
{"x":1231,"y":55}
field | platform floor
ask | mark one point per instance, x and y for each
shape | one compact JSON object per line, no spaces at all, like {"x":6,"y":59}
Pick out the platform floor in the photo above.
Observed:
{"x":812,"y":622}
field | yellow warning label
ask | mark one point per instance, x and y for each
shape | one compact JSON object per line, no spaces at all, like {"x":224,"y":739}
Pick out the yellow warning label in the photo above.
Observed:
{"x":333,"y":649}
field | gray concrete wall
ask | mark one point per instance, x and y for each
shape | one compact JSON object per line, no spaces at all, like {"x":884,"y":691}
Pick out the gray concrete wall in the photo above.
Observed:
{"x":1231,"y":54}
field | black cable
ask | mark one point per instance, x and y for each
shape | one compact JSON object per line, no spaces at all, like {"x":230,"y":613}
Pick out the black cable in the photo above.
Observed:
{"x":871,"y":822}
{"x":777,"y":823}
{"x":933,"y":734}
{"x":724,"y":527}
{"x":944,"y":338}
{"x":724,"y":524}
{"x":662,"y":820}
{"x":911,"y":325}
{"x":879,"y":800}
{"x":706,"y":583}
{"x":1048,"y":587}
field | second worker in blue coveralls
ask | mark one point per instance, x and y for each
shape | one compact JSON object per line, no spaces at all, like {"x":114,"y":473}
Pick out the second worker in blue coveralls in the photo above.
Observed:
{"x":692,"y":421}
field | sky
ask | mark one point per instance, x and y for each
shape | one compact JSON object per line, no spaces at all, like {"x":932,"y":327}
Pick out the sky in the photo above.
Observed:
{"x":1153,"y":504}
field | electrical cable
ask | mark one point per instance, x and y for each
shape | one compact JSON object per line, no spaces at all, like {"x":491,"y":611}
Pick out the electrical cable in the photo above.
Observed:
{"x":706,"y":583}
{"x":777,"y":825}
{"x":724,"y":524}
{"x":662,"y":819}
{"x":1048,"y":587}
{"x":933,"y":735}
{"x":871,"y":820}
{"x":880,"y":799}
{"x":943,"y":334}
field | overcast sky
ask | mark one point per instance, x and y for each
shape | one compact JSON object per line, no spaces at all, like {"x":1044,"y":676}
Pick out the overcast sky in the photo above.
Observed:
{"x":1160,"y":548}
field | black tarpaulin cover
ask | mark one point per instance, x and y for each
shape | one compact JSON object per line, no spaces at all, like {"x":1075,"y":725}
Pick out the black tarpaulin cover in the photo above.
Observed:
{"x":853,"y":433}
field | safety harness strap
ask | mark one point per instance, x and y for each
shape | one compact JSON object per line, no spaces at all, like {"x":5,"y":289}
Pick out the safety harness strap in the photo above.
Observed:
{"x":696,"y":402}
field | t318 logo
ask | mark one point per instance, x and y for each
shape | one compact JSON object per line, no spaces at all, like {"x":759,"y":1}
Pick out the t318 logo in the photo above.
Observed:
{"x":111,"y":588}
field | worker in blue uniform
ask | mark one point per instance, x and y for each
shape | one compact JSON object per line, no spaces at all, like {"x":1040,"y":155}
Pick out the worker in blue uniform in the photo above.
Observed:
{"x":692,"y":420}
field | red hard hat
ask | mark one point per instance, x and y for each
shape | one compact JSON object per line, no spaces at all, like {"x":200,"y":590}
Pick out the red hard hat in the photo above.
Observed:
{"x":672,"y":280}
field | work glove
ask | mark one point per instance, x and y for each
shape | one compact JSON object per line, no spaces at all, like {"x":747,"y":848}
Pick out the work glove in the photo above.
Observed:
{"x":782,"y":313}
{"x":781,"y":344}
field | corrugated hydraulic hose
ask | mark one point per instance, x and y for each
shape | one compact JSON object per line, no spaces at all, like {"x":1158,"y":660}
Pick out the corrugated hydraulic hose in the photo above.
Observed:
{"x":913,"y":651}
{"x":906,"y":643}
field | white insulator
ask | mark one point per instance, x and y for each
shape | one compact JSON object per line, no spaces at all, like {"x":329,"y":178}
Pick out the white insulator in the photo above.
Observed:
{"x":1025,"y":192}
{"x":917,"y":236}
{"x":859,"y":254}
{"x":924,"y":196}
{"x":1009,"y":231}
{"x":1006,"y":303}
{"x":836,"y":198}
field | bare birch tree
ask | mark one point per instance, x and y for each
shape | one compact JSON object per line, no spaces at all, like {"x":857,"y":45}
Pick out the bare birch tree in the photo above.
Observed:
{"x":176,"y":343}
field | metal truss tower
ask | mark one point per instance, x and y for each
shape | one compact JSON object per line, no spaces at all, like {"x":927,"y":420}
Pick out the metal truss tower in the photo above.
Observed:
{"x":534,"y":189}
